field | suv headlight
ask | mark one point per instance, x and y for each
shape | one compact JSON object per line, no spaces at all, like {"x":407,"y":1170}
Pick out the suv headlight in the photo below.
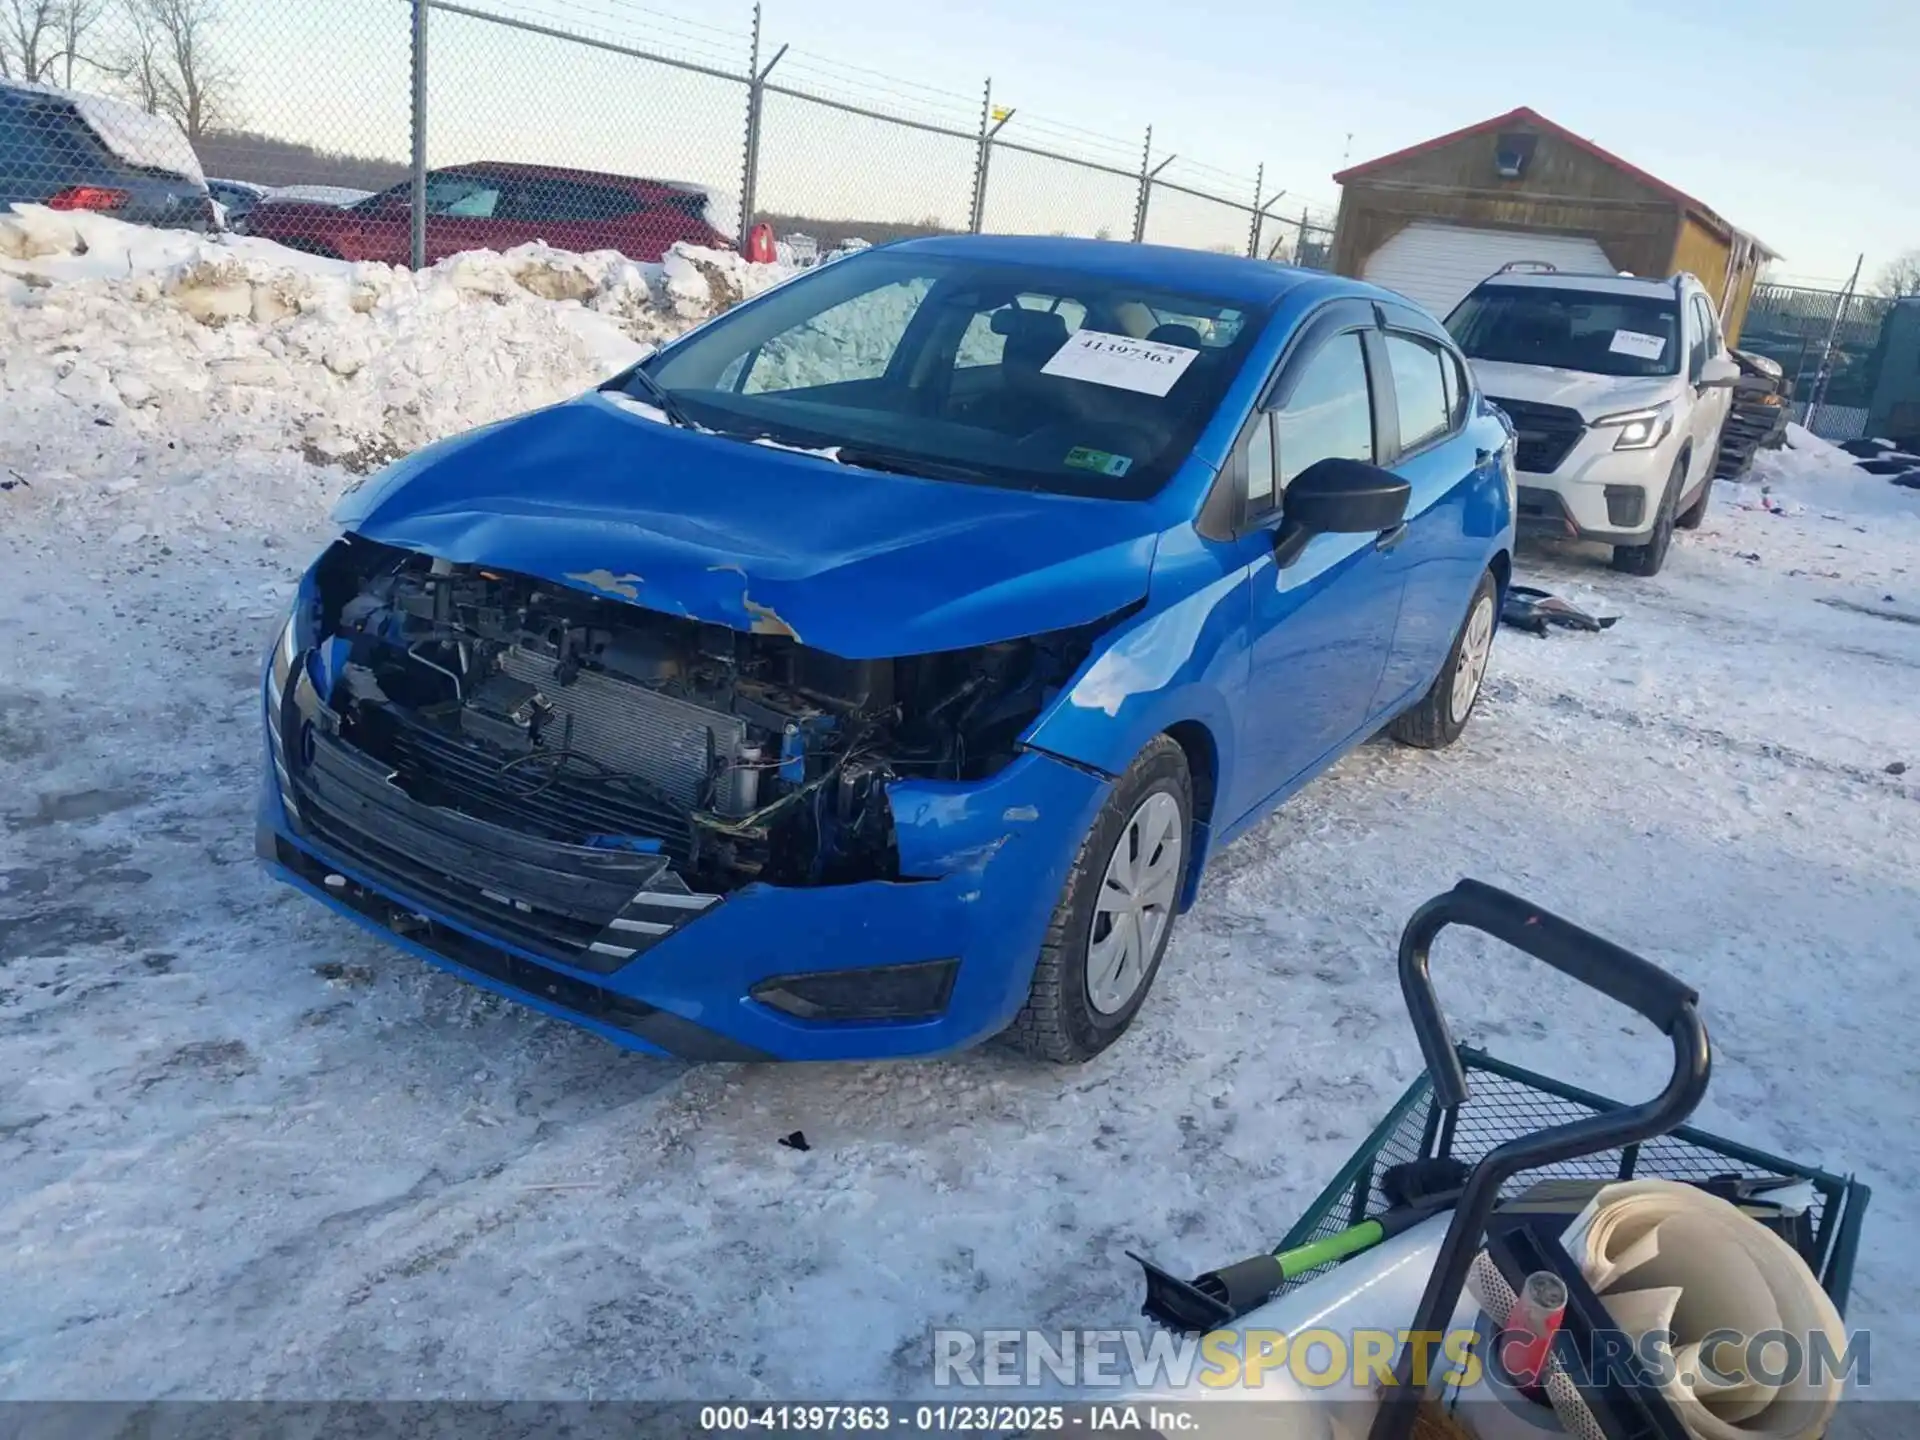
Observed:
{"x":1639,"y":429}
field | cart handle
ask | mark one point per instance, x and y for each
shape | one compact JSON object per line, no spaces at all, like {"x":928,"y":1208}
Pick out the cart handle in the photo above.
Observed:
{"x":1617,"y":973}
{"x":1620,"y":975}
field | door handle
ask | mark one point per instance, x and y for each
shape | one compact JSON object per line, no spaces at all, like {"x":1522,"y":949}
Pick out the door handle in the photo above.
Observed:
{"x":1388,"y":539}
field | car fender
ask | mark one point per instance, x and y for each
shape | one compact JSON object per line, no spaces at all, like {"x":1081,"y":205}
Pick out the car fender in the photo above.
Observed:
{"x":1179,"y":658}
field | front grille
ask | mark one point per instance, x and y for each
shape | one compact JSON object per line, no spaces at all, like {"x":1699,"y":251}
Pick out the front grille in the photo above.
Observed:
{"x":1547,"y":433}
{"x":570,"y":802}
{"x":558,"y":865}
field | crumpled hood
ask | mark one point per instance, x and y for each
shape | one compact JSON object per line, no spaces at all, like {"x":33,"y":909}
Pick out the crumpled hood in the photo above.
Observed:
{"x":1592,"y":395}
{"x":862,"y":564}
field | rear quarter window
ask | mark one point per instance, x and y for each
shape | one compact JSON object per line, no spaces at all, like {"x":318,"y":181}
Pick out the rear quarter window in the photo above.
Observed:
{"x":45,"y":138}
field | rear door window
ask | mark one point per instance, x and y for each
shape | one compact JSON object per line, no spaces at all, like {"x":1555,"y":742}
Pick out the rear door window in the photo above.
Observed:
{"x":1419,"y":390}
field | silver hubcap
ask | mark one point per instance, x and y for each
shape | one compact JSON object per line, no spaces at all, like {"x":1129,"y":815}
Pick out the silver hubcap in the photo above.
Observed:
{"x":1135,"y":904}
{"x":1475,"y":645}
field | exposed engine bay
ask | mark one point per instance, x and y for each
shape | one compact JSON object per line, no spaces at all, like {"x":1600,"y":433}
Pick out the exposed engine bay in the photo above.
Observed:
{"x":585,"y":720}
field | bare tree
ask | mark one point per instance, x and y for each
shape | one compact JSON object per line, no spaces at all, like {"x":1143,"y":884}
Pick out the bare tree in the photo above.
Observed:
{"x":73,"y":19}
{"x":1900,"y":276}
{"x":171,"y":64}
{"x":26,"y":32}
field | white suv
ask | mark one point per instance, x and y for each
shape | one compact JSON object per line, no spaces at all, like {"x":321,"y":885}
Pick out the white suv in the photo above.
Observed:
{"x":1618,"y":387}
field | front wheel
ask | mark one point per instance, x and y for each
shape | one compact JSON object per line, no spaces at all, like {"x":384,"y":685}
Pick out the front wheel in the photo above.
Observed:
{"x":1648,"y":558}
{"x":1115,"y":914}
{"x":1690,"y":518}
{"x":1442,"y":713}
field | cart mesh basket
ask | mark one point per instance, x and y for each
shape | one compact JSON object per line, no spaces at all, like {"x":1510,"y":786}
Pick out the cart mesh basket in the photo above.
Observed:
{"x":1506,"y":1102}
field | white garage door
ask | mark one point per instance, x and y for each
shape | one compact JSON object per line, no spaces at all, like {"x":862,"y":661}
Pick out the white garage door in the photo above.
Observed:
{"x":1438,"y":264}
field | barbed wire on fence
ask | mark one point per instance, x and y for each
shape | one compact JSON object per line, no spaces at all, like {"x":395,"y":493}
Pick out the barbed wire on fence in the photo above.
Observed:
{"x":407,"y":129}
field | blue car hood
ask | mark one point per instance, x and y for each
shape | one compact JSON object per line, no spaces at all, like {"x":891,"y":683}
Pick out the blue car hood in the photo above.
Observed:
{"x":859,"y":563}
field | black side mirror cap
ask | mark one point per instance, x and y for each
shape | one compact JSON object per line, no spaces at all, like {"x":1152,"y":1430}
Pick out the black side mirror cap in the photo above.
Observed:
{"x":1338,"y":497}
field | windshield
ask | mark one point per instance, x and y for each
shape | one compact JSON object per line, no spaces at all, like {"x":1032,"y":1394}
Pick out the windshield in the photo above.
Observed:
{"x":1602,"y":334}
{"x":993,"y":373}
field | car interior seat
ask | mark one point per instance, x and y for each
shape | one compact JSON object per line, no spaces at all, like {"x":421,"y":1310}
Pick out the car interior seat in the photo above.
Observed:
{"x":1026,"y":397}
{"x":1182,"y":335}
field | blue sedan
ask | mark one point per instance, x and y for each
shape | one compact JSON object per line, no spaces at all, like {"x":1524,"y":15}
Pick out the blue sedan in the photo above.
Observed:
{"x":873,"y":670}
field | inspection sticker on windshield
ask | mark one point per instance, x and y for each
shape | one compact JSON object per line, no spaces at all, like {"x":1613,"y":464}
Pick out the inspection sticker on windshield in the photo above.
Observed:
{"x":1101,"y":462}
{"x":1144,"y":366}
{"x":1640,"y":346}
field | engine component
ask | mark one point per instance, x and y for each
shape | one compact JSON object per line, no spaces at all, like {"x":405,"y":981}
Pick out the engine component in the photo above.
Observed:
{"x":591,"y":722}
{"x":506,"y":712}
{"x":672,"y":744}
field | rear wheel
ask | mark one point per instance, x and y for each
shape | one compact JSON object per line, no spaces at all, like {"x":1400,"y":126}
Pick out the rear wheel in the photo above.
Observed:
{"x":1648,"y":558}
{"x":1111,"y":926}
{"x":1442,"y":713}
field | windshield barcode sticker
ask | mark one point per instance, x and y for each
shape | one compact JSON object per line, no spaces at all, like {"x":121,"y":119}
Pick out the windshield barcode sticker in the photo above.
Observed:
{"x":1144,"y":366}
{"x":1638,"y":345}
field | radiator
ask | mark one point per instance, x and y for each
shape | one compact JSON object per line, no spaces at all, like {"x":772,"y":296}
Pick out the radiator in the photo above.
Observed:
{"x":670,"y":743}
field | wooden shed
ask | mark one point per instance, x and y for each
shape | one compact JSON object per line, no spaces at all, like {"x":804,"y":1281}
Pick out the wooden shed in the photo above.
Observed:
{"x":1434,"y":220}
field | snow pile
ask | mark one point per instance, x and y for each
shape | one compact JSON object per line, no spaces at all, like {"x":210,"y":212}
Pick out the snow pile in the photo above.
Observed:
{"x":1809,"y":472}
{"x":174,"y":342}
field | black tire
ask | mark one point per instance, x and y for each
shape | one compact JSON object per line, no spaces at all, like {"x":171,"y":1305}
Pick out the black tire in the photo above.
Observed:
{"x":1432,"y":724}
{"x":1690,"y":518}
{"x":1059,"y":1022}
{"x":1648,"y":558}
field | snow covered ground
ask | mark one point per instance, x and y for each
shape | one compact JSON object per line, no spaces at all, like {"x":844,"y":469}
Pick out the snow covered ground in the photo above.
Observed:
{"x":245,"y":1150}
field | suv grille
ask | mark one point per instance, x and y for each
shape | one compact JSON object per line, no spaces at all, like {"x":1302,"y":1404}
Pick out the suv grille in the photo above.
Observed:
{"x":1547,"y":433}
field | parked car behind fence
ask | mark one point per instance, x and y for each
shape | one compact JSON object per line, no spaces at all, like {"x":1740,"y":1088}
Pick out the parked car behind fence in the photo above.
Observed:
{"x":73,"y":151}
{"x":236,"y":199}
{"x":496,"y":206}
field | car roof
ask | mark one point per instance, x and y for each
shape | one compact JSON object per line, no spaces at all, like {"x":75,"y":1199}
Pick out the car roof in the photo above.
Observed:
{"x":1595,"y":283}
{"x":1228,"y":277}
{"x":514,"y":170}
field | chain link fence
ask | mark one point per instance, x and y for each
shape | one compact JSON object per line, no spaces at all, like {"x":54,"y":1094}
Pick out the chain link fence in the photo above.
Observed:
{"x":1830,"y":343}
{"x":406,"y":130}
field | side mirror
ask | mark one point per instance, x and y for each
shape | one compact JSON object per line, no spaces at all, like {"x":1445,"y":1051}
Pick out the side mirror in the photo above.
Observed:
{"x":1338,"y":497}
{"x":1718,"y":373}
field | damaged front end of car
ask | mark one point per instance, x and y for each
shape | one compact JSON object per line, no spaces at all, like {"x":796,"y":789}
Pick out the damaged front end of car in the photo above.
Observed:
{"x":579,"y":778}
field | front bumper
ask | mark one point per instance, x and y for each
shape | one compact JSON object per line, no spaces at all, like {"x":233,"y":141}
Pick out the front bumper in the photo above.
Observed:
{"x":1597,"y":492}
{"x":716,"y":980}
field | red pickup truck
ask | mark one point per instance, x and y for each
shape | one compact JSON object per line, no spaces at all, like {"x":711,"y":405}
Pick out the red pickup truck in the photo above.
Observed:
{"x":495,"y":206}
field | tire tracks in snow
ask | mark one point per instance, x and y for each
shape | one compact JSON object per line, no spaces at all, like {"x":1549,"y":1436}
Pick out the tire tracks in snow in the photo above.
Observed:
{"x":1507,"y":688}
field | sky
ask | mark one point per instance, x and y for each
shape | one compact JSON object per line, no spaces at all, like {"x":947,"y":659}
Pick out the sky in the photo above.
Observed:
{"x":1794,"y":123}
{"x":1797,"y":122}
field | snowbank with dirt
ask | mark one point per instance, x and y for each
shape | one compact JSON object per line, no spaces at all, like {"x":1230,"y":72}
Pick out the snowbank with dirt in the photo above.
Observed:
{"x":174,"y":342}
